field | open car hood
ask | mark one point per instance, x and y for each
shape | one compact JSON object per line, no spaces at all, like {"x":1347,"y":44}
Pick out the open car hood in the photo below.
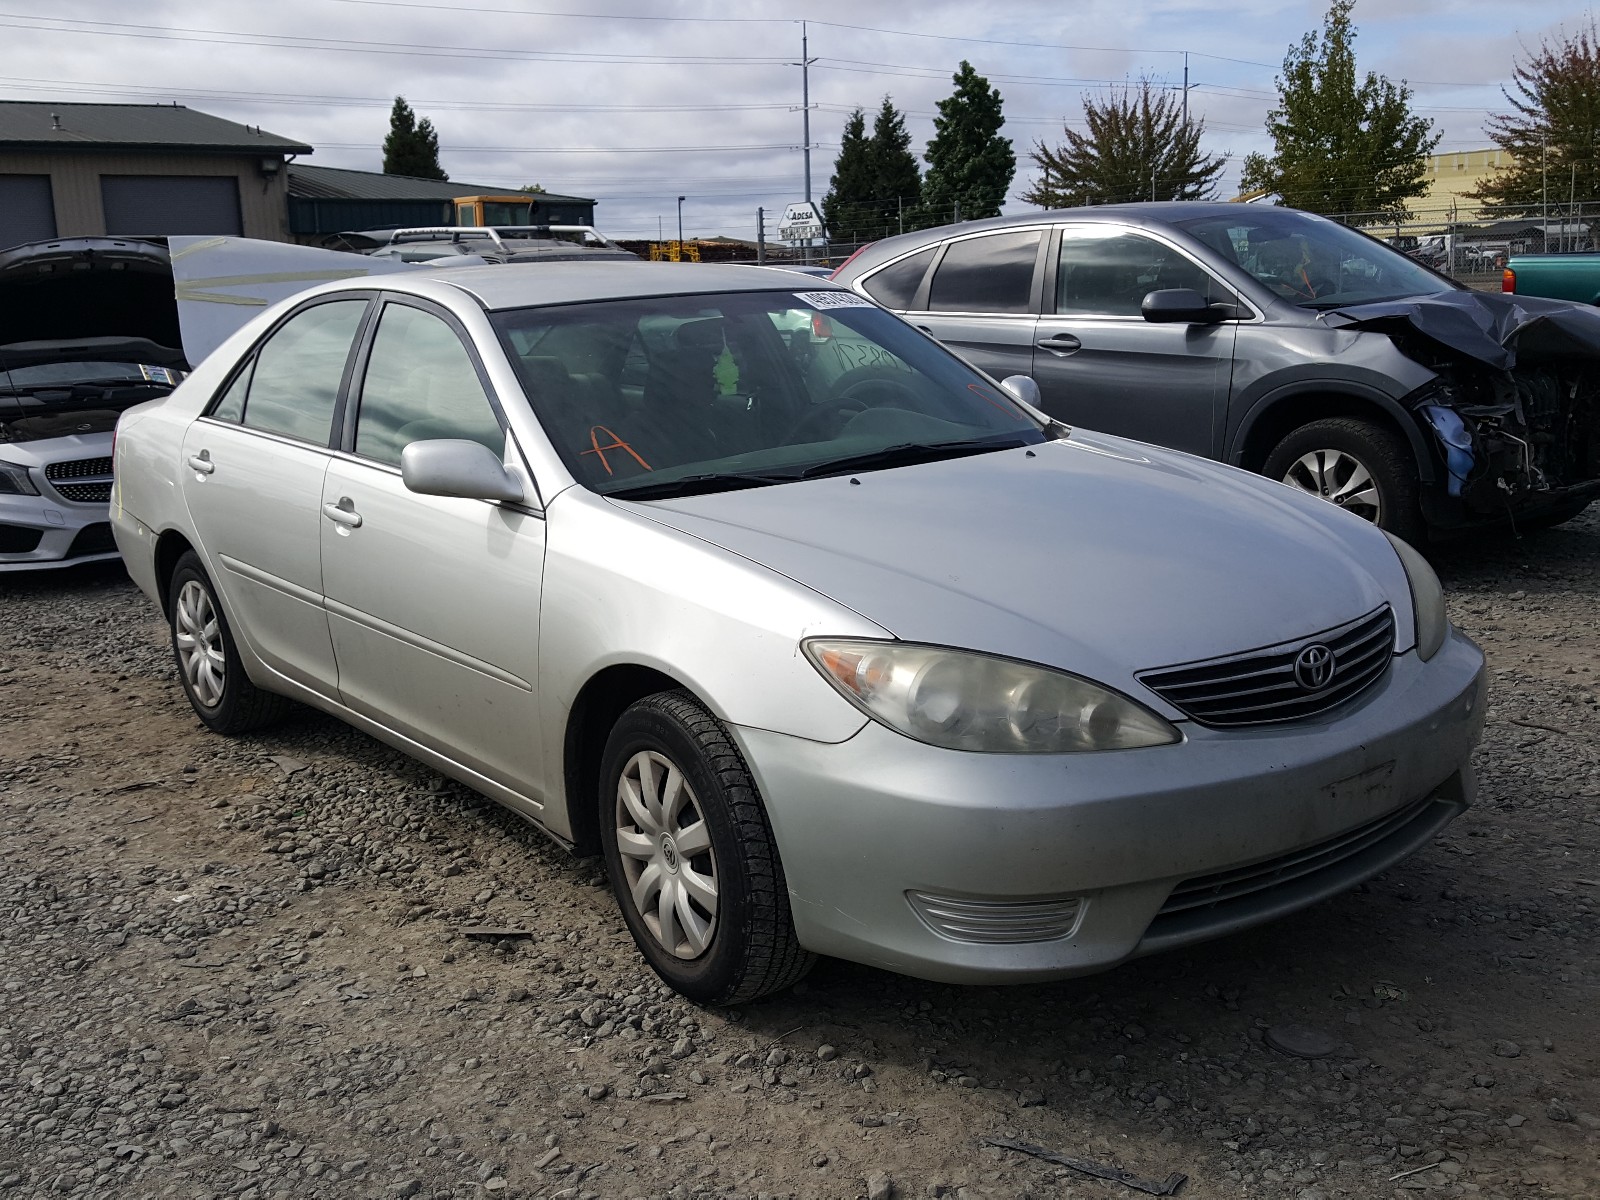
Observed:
{"x":69,"y":289}
{"x":1490,"y":327}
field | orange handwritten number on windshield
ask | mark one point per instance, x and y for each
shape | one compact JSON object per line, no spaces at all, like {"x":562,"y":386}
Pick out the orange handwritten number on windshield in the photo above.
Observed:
{"x":615,"y":443}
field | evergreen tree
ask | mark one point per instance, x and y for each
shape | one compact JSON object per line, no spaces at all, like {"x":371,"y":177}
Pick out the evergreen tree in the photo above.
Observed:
{"x":1553,"y":130}
{"x":847,"y":209}
{"x":1139,"y":146}
{"x":412,"y":147}
{"x":896,"y":181}
{"x":969,"y":164}
{"x":1342,"y":145}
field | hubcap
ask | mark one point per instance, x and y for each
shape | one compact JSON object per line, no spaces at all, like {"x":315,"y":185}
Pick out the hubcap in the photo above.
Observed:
{"x":667,"y":860}
{"x":1339,"y":477}
{"x":197,"y":634}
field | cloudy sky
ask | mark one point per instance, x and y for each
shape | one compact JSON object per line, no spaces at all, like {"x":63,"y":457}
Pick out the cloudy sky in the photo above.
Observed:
{"x":636,"y":103}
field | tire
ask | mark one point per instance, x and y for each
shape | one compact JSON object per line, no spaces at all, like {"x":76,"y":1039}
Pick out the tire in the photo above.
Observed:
{"x":208,"y":661}
{"x":1324,"y":458}
{"x":743,"y":944}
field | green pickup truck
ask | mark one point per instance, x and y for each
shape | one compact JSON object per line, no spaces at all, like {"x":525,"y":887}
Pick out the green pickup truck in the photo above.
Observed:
{"x":1557,"y":276}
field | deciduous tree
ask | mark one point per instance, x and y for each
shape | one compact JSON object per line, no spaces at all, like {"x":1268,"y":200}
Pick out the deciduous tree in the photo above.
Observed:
{"x":1342,"y":144}
{"x":1553,"y":129}
{"x":1138,"y":145}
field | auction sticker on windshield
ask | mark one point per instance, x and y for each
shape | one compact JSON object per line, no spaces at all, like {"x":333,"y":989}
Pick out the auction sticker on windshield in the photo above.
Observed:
{"x":833,"y":300}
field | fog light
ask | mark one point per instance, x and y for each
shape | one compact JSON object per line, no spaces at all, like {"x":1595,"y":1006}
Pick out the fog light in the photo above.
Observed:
{"x":965,"y":919}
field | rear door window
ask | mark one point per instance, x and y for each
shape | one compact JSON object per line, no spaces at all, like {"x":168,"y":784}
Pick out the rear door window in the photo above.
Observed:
{"x":295,"y":384}
{"x":896,"y":285}
{"x":989,"y":274}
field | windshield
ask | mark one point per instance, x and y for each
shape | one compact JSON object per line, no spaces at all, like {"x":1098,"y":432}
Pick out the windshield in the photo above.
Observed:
{"x":648,"y":398}
{"x":1312,"y":261}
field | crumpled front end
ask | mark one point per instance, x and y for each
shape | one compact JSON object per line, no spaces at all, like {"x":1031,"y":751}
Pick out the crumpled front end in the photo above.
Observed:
{"x":1516,"y":440}
{"x":1515,"y":405}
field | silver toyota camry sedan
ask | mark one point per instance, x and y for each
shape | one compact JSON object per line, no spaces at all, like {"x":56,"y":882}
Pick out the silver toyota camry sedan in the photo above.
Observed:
{"x":827,"y":642}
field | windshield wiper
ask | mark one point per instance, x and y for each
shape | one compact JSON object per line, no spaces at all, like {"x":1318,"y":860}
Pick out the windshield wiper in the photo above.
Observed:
{"x":905,"y":454}
{"x":697,"y":485}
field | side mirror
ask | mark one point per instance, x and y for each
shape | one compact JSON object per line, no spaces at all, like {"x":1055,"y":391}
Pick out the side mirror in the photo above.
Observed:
{"x":1022,"y":388}
{"x":1181,"y":305}
{"x":465,"y":470}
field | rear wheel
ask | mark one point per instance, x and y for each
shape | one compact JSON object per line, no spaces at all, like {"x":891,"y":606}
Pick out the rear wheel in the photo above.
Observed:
{"x":1363,"y":468}
{"x":208,"y":661}
{"x":691,"y":856}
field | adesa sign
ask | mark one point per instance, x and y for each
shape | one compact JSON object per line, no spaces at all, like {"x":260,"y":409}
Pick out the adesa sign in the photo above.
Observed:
{"x":800,"y":223}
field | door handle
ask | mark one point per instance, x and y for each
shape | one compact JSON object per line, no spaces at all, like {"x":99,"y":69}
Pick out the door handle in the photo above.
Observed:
{"x":202,"y":462}
{"x":1061,"y":344}
{"x":343,"y":513}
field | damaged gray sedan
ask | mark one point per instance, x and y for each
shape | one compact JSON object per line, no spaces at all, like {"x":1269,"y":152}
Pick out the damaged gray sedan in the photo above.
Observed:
{"x":1274,"y":340}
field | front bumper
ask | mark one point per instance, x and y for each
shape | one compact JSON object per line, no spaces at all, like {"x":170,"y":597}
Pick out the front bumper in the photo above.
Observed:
{"x":1235,"y":827}
{"x":39,"y":532}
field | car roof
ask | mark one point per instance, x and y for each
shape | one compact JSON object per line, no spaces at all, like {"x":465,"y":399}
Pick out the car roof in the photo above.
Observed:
{"x":526,"y":285}
{"x":1148,"y":214}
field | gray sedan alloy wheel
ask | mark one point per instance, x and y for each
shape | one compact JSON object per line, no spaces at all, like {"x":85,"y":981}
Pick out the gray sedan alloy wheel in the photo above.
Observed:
{"x":667,"y":858}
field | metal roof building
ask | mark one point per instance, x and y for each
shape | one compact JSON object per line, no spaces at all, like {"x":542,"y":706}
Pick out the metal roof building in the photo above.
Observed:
{"x":69,"y":169}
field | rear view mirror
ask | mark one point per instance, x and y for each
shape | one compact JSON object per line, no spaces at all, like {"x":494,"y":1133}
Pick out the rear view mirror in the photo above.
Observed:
{"x":1182,"y":305}
{"x":465,"y":470}
{"x":1023,"y":388}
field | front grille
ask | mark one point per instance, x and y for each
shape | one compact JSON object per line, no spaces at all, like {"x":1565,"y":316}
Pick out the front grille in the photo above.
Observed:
{"x":997,"y":921}
{"x":1261,"y":687}
{"x":83,"y":480}
{"x":19,"y":539}
{"x":92,"y":539}
{"x":78,"y":468}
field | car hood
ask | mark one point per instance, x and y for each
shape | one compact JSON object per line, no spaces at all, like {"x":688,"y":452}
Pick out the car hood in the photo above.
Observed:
{"x":88,"y":287}
{"x":1094,"y":554}
{"x":1488,"y":326}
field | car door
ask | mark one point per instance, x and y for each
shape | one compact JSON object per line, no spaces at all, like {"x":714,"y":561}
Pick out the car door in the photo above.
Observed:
{"x":433,"y":601}
{"x":1100,"y":364}
{"x":982,"y":299}
{"x":252,"y":479}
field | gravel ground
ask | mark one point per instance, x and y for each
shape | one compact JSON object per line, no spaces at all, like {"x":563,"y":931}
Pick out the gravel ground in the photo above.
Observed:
{"x":238,"y":968}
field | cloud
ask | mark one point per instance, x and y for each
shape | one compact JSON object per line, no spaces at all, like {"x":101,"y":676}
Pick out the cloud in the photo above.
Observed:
{"x":637,"y":112}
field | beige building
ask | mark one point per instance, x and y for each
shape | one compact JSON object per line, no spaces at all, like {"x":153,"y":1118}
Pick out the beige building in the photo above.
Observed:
{"x":1451,"y":176}
{"x":75,"y":170}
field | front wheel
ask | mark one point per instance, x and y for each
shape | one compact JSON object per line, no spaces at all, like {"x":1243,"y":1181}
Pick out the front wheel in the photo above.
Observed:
{"x":208,"y":661}
{"x":1363,"y":468}
{"x":691,"y":856}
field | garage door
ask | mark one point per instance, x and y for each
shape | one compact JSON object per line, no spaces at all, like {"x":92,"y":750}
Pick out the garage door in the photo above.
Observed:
{"x":161,"y":205}
{"x":27,"y":212}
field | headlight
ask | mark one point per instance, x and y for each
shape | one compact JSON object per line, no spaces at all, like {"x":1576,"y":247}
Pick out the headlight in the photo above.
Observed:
{"x":14,"y":481}
{"x":966,"y":701}
{"x":1427,"y":599}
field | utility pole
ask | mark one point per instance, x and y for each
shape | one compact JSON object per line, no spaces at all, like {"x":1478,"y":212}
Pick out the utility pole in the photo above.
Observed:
{"x":1544,"y":175}
{"x":1152,"y":179}
{"x":805,"y":101}
{"x":1186,"y":89}
{"x":680,"y":227}
{"x":761,"y":236}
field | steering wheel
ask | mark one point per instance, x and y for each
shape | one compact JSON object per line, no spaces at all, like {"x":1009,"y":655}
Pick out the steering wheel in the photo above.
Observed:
{"x":862,"y":389}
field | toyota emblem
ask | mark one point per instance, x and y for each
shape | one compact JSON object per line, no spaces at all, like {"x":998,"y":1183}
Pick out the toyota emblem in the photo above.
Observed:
{"x":1313,"y":667}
